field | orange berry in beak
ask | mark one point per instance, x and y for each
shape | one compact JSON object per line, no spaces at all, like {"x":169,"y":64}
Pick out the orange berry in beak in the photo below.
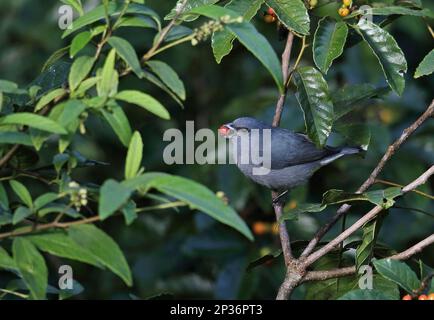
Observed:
{"x":224,"y":130}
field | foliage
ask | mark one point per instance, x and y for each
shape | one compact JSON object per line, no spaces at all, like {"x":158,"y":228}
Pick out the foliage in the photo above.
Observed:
{"x":54,"y":187}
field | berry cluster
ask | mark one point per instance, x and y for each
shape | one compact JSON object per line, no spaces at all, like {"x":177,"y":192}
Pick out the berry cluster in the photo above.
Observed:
{"x":77,"y":195}
{"x":260,"y":228}
{"x":345,"y":9}
{"x":203,"y":32}
{"x":421,"y":297}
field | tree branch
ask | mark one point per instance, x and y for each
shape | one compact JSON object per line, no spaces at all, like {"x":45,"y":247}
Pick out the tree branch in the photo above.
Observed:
{"x":429,"y":112}
{"x":343,"y":272}
{"x":367,"y":217}
{"x":278,"y":206}
{"x":418,"y":247}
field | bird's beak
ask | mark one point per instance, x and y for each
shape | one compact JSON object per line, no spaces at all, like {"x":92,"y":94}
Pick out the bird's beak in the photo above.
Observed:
{"x":226,"y":130}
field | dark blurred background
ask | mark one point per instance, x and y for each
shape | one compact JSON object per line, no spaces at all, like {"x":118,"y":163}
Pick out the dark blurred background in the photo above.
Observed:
{"x":186,"y":253}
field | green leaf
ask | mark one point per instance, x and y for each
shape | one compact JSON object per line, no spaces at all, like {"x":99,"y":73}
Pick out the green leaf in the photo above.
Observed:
{"x":10,"y":87}
{"x":15,"y":137}
{"x":169,"y":77}
{"x":85,"y":86}
{"x":145,"y":101}
{"x":313,"y":97}
{"x":134,"y":156}
{"x":76,"y":290}
{"x":126,"y":51}
{"x":129,"y":212}
{"x":356,"y":134}
{"x":197,"y":197}
{"x":426,"y":67}
{"x":384,"y":198}
{"x":329,"y":42}
{"x":6,"y":262}
{"x":49,"y":97}
{"x":22,"y":192}
{"x":140,"y":22}
{"x":365,"y":251}
{"x":31,"y":266}
{"x":76,"y":4}
{"x":79,"y":70}
{"x":56,"y":56}
{"x":79,"y":42}
{"x":113,"y":195}
{"x":177,"y":32}
{"x":395,"y":10}
{"x":45,"y":199}
{"x":292,"y":13}
{"x":222,"y":41}
{"x":113,"y":9}
{"x":59,"y":244}
{"x":347,"y":98}
{"x":32,"y":120}
{"x":399,"y":273}
{"x":58,"y":208}
{"x":108,"y":82}
{"x":185,"y":13}
{"x":153,"y":79}
{"x":292,"y":214}
{"x":20,"y":214}
{"x":71,"y":112}
{"x":103,"y":248}
{"x":249,"y":37}
{"x":117,"y":119}
{"x":389,"y":54}
{"x":5,"y":218}
{"x":4,"y":200}
{"x":365,"y":294}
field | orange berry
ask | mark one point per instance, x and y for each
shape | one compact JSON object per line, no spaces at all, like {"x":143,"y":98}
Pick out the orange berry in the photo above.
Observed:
{"x":271,"y":12}
{"x":268,"y":18}
{"x":423,"y":297}
{"x":259,"y":228}
{"x":343,"y":12}
{"x":407,"y":297}
{"x":275,"y":228}
{"x":431,"y":296}
{"x":347,"y":3}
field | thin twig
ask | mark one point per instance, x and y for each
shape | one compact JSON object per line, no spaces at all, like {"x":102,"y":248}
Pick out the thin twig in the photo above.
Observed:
{"x":164,"y":32}
{"x":278,"y":206}
{"x":405,"y":255}
{"x":347,"y":271}
{"x":401,"y":186}
{"x":429,"y":112}
{"x":9,"y":155}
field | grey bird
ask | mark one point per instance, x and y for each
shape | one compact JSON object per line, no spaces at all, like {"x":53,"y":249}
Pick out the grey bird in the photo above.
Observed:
{"x":293,"y":156}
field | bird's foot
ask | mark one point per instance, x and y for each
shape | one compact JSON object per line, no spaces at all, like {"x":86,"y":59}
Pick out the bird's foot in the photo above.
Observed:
{"x":277,"y":199}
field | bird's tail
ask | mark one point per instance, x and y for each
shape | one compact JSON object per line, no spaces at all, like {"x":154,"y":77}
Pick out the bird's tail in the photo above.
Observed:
{"x":351,"y":150}
{"x":340,"y":152}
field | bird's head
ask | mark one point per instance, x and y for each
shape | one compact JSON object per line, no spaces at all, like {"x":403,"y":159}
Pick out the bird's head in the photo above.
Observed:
{"x":241,"y":126}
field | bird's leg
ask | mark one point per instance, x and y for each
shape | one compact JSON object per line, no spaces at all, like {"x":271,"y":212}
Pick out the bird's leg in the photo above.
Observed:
{"x":277,"y":199}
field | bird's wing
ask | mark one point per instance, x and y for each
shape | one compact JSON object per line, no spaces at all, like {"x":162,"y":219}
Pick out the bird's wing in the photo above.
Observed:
{"x":289,"y":148}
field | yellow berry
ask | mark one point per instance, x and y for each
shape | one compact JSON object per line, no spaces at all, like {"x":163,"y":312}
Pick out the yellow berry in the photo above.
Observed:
{"x":343,"y":12}
{"x":313,"y":3}
{"x":347,"y":3}
{"x":268,"y":18}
